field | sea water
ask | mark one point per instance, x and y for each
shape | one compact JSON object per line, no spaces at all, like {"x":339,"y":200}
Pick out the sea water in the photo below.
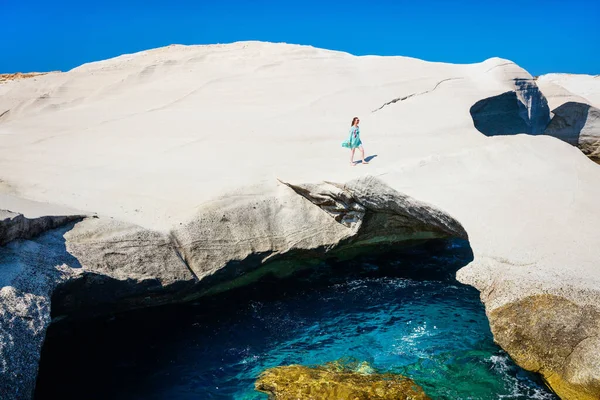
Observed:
{"x":401,"y":313}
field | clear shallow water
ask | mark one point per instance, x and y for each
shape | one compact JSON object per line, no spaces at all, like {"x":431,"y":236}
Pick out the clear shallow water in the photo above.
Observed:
{"x":402,"y":315}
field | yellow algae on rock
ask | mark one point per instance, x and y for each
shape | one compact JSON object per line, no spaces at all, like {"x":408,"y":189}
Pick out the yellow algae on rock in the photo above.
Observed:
{"x":336,"y":381}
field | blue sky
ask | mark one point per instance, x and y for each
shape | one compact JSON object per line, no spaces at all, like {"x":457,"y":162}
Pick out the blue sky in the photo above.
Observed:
{"x":541,"y":36}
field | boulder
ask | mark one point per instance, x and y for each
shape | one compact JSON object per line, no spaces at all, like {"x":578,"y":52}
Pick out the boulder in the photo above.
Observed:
{"x":577,"y":124}
{"x":555,"y":337}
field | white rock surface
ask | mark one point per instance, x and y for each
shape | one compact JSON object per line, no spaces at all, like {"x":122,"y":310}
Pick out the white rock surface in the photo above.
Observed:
{"x":152,"y":137}
{"x":581,"y":85}
{"x":575,"y":118}
{"x":148,"y":138}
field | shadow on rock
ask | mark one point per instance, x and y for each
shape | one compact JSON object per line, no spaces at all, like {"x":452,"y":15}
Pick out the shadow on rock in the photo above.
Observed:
{"x":30,"y":269}
{"x":506,"y":114}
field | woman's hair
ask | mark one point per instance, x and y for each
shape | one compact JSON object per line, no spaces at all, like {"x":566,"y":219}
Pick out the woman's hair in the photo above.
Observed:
{"x":353,"y":120}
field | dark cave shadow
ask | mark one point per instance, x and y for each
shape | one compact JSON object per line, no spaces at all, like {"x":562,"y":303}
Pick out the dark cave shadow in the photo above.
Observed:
{"x":93,"y":295}
{"x":500,"y":115}
{"x":505,"y":114}
{"x":57,"y":238}
{"x":434,"y":260}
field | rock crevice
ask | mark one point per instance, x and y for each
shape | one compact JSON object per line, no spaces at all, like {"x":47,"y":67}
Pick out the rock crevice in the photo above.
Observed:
{"x":415,"y":94}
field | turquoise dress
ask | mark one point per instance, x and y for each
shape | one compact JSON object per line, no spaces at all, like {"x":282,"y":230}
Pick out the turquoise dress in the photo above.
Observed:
{"x":354,"y":140}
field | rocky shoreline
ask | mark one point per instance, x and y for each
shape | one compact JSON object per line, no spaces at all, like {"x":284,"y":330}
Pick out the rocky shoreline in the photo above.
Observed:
{"x":99,"y":267}
{"x":72,"y":260}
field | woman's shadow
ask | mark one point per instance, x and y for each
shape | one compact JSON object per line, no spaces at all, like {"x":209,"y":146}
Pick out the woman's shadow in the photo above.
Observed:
{"x":367,"y":159}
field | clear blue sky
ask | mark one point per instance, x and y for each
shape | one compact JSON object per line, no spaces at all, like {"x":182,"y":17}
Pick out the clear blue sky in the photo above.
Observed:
{"x":541,"y":36}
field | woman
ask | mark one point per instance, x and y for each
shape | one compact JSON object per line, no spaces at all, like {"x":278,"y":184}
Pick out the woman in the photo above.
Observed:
{"x":354,"y":141}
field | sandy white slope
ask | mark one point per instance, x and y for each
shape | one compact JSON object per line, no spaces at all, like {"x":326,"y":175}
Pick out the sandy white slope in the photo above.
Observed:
{"x":150,"y":137}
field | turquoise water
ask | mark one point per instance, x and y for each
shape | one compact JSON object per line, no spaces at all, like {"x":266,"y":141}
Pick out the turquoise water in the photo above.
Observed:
{"x":402,"y":314}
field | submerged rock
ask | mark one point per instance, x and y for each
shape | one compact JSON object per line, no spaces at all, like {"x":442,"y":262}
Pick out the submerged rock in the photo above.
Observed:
{"x":336,"y":381}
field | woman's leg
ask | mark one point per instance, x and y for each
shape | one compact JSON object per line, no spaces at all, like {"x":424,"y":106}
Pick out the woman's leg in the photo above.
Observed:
{"x":352,"y":156}
{"x":362,"y":152}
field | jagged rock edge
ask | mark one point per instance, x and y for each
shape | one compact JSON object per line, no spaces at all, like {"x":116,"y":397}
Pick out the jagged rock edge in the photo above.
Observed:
{"x":18,"y":226}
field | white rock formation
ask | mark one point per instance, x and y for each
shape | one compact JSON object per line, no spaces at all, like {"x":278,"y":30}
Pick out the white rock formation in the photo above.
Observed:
{"x":584,"y":86}
{"x":100,"y":266}
{"x":151,"y":138}
{"x":575,"y":103}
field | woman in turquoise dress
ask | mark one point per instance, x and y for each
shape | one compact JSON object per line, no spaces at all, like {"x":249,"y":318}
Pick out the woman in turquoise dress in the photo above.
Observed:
{"x":354,"y":142}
